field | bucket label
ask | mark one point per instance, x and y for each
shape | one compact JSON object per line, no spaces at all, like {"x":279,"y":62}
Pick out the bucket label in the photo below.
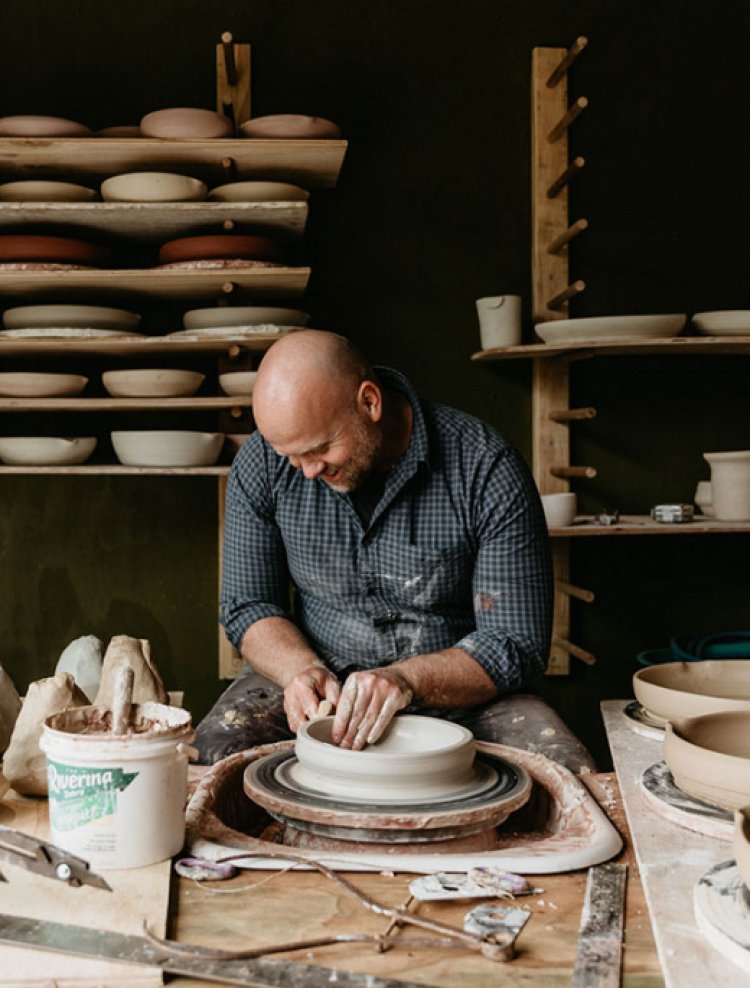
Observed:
{"x":80,"y":795}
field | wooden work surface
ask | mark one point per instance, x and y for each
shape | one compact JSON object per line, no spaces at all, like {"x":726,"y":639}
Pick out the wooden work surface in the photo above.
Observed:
{"x":257,"y":908}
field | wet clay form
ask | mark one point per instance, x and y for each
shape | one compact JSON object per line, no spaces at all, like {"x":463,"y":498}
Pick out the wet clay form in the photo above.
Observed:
{"x":82,"y":658}
{"x":134,"y":652}
{"x":293,"y":125}
{"x":730,"y":484}
{"x":219,"y":246}
{"x":689,"y":689}
{"x":186,"y":123}
{"x":662,"y":795}
{"x":722,"y":911}
{"x":61,"y":250}
{"x":709,"y":757}
{"x":40,"y":126}
{"x":152,"y":187}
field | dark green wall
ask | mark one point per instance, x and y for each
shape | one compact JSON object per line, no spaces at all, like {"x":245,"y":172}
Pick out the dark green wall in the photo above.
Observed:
{"x":432,"y":211}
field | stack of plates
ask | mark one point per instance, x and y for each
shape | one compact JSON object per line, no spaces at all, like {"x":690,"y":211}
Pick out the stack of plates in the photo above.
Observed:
{"x":30,"y":251}
{"x":68,"y":322}
{"x":240,"y":320}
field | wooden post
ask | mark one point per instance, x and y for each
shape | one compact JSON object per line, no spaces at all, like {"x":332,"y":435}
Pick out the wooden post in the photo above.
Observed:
{"x":233,"y":63}
{"x":230,"y":661}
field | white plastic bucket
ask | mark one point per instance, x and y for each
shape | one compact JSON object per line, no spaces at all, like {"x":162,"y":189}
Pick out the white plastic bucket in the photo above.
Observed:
{"x":118,"y":802}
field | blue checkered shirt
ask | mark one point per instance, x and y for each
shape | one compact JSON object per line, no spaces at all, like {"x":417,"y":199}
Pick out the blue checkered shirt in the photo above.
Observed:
{"x":455,"y":554}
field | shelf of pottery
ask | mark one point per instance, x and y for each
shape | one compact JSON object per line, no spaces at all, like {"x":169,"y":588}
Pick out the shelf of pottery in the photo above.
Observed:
{"x":143,"y":269}
{"x":561,"y":340}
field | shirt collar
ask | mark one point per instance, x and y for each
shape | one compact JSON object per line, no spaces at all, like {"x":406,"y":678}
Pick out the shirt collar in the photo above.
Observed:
{"x":418,"y":450}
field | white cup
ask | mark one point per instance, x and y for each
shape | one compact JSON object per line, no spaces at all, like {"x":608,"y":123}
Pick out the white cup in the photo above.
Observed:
{"x":499,"y":321}
{"x":559,"y":509}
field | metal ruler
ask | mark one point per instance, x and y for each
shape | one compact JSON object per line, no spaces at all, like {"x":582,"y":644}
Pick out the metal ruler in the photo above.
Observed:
{"x":599,"y":958}
{"x":125,"y":949}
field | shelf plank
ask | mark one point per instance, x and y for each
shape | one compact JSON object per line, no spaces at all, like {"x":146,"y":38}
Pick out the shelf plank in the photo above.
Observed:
{"x":644,"y":525}
{"x":309,"y":163}
{"x":279,"y":283}
{"x":157,"y":220}
{"x":122,"y":404}
{"x":693,"y":345}
{"x":108,"y":470}
{"x":256,"y":343}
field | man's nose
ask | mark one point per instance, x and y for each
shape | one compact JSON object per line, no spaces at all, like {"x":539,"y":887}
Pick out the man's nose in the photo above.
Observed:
{"x":312,"y":468}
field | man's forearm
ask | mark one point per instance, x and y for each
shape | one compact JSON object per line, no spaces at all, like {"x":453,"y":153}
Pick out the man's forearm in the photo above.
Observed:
{"x":445,"y":679}
{"x":277,"y":649}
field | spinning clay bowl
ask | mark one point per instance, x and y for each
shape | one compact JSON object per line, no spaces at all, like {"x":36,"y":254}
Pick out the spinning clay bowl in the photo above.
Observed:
{"x":709,"y":757}
{"x":689,"y":689}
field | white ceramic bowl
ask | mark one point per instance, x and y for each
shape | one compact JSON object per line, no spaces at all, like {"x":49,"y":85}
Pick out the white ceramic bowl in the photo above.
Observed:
{"x":45,"y":450}
{"x":259,"y":192}
{"x":152,"y":383}
{"x":671,"y":690}
{"x":238,"y":382}
{"x":29,"y":384}
{"x":36,"y":125}
{"x":167,"y":448}
{"x":38,"y":190}
{"x":186,"y":123}
{"x":731,"y":322}
{"x":153,"y":187}
{"x":559,"y":509}
{"x":69,"y":316}
{"x":709,"y":757}
{"x":243,"y":315}
{"x":607,"y":329}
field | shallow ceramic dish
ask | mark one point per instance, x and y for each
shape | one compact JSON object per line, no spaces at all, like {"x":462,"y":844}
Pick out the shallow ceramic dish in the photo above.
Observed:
{"x":85,"y":316}
{"x":732,"y":322}
{"x":64,"y":333}
{"x":292,"y":125}
{"x":45,"y":450}
{"x":741,"y":842}
{"x":41,"y":126}
{"x":152,"y":383}
{"x":153,"y":187}
{"x":601,"y":329}
{"x":186,"y":123}
{"x":238,"y":382}
{"x":28,"y":384}
{"x":688,"y":689}
{"x":167,"y":448}
{"x":227,"y":245}
{"x":709,"y":757}
{"x":35,"y":190}
{"x":62,"y":250}
{"x":243,"y":315}
{"x":259,"y":192}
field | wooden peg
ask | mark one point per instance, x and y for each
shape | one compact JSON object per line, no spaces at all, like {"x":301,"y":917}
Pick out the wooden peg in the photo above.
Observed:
{"x":234,"y":351}
{"x":572,"y":591}
{"x":587,"y":472}
{"x":570,"y":292}
{"x":572,"y":54}
{"x":573,"y":230}
{"x":228,"y":225}
{"x":236,"y":412}
{"x":562,"y":180}
{"x":229,"y":288}
{"x":229,"y":168}
{"x":572,"y":414}
{"x":561,"y":126}
{"x":230,"y":66}
{"x":574,"y":650}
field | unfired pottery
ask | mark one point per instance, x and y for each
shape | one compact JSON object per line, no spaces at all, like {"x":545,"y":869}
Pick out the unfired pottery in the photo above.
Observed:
{"x":259,"y":192}
{"x":37,"y":190}
{"x":41,"y":126}
{"x":186,"y":123}
{"x":64,"y":333}
{"x":61,"y":250}
{"x":167,"y":448}
{"x":608,"y":329}
{"x":243,"y":315}
{"x":31,"y":384}
{"x":82,"y":658}
{"x":45,"y":450}
{"x":234,"y":332}
{"x":152,"y":187}
{"x":152,"y":383}
{"x":709,"y":757}
{"x":559,"y":509}
{"x":10,"y":705}
{"x":291,"y":125}
{"x":123,"y":650}
{"x":731,"y":322}
{"x":499,"y":321}
{"x":730,"y":484}
{"x":741,"y":842}
{"x":227,"y":245}
{"x":703,"y":497}
{"x":238,"y":382}
{"x":82,"y":316}
{"x":672,"y":690}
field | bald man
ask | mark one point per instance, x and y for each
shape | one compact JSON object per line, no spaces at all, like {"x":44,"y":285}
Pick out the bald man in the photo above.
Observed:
{"x":383,"y":553}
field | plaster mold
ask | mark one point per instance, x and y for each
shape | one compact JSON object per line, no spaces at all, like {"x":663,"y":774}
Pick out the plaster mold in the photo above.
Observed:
{"x":82,"y":658}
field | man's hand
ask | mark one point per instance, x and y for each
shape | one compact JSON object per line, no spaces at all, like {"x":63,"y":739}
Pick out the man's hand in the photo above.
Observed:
{"x":367,"y":705}
{"x":303,"y":694}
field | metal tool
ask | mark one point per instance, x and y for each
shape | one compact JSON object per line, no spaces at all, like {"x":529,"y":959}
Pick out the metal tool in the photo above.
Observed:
{"x":46,"y":859}
{"x":672,"y":514}
{"x":599,"y":956}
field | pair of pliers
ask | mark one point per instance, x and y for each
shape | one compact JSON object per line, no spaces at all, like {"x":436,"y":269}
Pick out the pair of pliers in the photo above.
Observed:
{"x":46,"y":859}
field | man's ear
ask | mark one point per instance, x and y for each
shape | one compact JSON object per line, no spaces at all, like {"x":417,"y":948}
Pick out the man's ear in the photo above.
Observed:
{"x":370,"y":400}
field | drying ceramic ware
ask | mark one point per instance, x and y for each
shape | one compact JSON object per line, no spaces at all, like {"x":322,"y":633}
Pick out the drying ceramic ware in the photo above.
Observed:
{"x":152,"y":187}
{"x":227,"y":245}
{"x":741,"y":842}
{"x":186,"y":123}
{"x":60,"y":250}
{"x":608,"y":329}
{"x":688,"y":689}
{"x":499,"y":321}
{"x":10,"y":706}
{"x":559,"y":509}
{"x":83,"y":316}
{"x":243,"y":315}
{"x":709,"y":757}
{"x":40,"y":126}
{"x":152,"y":383}
{"x":82,"y":658}
{"x":167,"y":448}
{"x":233,"y":332}
{"x":29,"y":384}
{"x":731,"y":322}
{"x":35,"y":190}
{"x":134,"y":652}
{"x":238,"y":382}
{"x":45,"y":450}
{"x":704,"y":498}
{"x":122,"y":130}
{"x":64,"y":333}
{"x":730,"y":484}
{"x":292,"y":125}
{"x":259,"y":192}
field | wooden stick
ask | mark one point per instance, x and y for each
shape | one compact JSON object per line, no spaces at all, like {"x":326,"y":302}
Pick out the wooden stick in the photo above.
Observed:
{"x":229,"y":167}
{"x":572,"y":414}
{"x":228,"y":225}
{"x":572,"y":591}
{"x":562,"y":180}
{"x":122,"y":699}
{"x":230,"y":66}
{"x":587,"y":472}
{"x":574,"y":111}
{"x":573,"y":230}
{"x":573,"y":52}
{"x":229,"y":288}
{"x":570,"y":292}
{"x":574,"y":650}
{"x":234,"y":351}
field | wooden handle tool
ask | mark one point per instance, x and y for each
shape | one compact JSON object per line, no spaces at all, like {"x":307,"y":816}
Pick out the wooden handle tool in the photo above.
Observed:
{"x":122,"y":700}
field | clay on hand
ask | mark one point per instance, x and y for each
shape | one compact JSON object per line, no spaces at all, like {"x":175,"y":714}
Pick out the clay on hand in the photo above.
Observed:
{"x":304,"y":693}
{"x":369,"y":701}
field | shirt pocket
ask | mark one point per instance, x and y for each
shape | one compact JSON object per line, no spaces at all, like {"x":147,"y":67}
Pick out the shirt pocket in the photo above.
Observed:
{"x":432,"y":580}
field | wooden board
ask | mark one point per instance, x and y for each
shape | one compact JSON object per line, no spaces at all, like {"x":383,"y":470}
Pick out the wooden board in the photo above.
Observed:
{"x":683,"y":345}
{"x":115,"y":469}
{"x":643,"y":525}
{"x":123,"y":404}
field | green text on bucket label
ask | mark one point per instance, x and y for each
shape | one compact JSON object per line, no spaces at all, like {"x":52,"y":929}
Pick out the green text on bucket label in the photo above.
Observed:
{"x":79,"y":795}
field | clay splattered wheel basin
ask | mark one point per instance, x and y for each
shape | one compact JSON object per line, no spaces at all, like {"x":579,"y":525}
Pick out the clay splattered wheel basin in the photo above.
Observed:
{"x":709,"y":757}
{"x":219,"y":246}
{"x":690,"y":689}
{"x":741,"y":842}
{"x":63,"y":250}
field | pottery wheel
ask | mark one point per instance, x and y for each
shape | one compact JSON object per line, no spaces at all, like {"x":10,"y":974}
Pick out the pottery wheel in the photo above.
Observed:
{"x":499,"y":789}
{"x":721,"y":904}
{"x":643,"y":722}
{"x":660,"y":791}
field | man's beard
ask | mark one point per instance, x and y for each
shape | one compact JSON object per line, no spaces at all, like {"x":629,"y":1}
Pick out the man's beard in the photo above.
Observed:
{"x":362,"y":464}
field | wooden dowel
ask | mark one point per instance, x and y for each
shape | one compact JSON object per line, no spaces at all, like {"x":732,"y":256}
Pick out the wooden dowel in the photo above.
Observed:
{"x":587,"y":472}
{"x":572,"y":591}
{"x":573,"y":52}
{"x":230,"y":66}
{"x":228,"y":225}
{"x":229,"y":167}
{"x":570,"y":292}
{"x":562,"y":180}
{"x":574,"y":650}
{"x":236,"y":412}
{"x":573,"y":230}
{"x":229,"y":288}
{"x":575,"y":109}
{"x":234,"y":351}
{"x":572,"y":414}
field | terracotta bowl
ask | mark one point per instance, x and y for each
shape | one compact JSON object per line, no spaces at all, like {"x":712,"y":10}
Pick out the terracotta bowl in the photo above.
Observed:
{"x":40,"y":126}
{"x":186,"y":123}
{"x":688,"y":689}
{"x":38,"y":190}
{"x":167,"y":448}
{"x":709,"y":757}
{"x":259,"y":192}
{"x":741,"y":842}
{"x":243,"y":315}
{"x":28,"y":384}
{"x":152,"y":383}
{"x":77,"y":316}
{"x":60,"y":250}
{"x":293,"y":125}
{"x":153,"y":187}
{"x":238,"y":382}
{"x":227,"y":245}
{"x":45,"y":450}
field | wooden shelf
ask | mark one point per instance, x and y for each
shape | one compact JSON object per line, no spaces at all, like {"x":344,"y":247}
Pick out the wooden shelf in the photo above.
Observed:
{"x":108,"y":470}
{"x":644,"y":525}
{"x":122,"y":404}
{"x":309,"y":163}
{"x":14,"y":347}
{"x":157,"y":220}
{"x":692,"y":345}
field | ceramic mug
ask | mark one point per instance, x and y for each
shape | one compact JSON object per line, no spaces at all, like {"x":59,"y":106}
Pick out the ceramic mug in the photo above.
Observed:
{"x":499,"y":321}
{"x":703,"y":498}
{"x":730,"y":484}
{"x":559,"y":509}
